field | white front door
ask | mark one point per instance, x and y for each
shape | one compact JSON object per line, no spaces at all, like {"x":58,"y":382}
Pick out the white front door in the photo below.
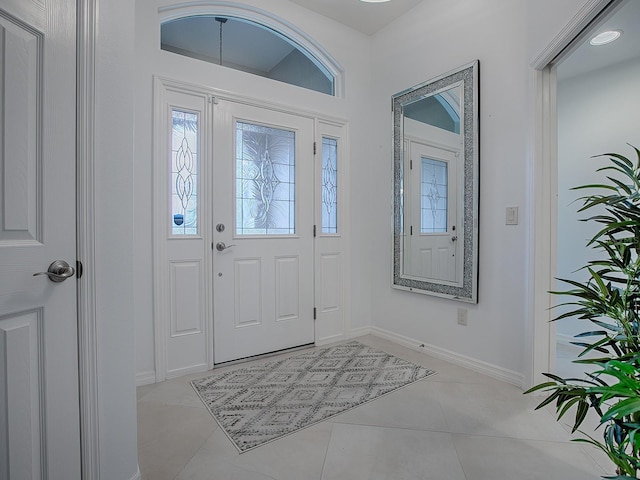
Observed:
{"x":263,"y":230}
{"x":433,"y":223}
{"x":39,"y":404}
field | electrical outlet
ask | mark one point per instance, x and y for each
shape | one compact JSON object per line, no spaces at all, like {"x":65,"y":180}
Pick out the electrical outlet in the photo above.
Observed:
{"x":462,"y":316}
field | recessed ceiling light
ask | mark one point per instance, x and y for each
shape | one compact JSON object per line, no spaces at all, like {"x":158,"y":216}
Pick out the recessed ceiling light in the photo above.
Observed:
{"x":606,"y":37}
{"x":375,"y":1}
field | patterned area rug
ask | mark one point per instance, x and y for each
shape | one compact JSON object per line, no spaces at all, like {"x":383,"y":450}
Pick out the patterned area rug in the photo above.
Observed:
{"x":255,"y":405}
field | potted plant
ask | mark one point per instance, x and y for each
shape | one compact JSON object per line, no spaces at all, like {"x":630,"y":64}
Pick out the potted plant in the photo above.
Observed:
{"x":609,"y":302}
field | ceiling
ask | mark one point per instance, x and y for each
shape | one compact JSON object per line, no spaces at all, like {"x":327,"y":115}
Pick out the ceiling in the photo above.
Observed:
{"x":583,"y":57}
{"x":368,"y":18}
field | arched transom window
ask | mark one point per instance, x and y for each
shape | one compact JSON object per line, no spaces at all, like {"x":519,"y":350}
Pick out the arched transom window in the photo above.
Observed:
{"x":249,"y":46}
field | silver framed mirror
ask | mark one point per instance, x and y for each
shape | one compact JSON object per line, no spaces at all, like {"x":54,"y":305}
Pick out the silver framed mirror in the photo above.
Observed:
{"x":436,"y":185}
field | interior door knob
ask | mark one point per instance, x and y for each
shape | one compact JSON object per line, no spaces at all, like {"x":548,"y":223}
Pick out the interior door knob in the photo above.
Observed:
{"x":58,"y":271}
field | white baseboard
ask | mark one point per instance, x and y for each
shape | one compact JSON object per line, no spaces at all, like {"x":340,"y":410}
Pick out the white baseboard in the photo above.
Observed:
{"x":330,"y":339}
{"x":137,"y":476}
{"x":179,"y":372}
{"x":359,"y":332}
{"x":499,"y":373}
{"x":145,"y":378}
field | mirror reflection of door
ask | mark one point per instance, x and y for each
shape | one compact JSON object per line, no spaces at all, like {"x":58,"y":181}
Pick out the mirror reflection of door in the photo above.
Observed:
{"x":433,"y":181}
{"x":435,"y":202}
{"x":433,"y":216}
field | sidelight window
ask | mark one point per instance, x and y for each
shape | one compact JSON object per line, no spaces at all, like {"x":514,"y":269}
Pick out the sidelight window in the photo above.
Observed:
{"x":184,"y":172}
{"x":329,"y":185}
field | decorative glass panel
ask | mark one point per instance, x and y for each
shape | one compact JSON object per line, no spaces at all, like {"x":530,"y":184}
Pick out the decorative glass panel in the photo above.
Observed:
{"x":329,"y":185}
{"x":433,"y":196}
{"x":184,"y":173}
{"x":265,"y":180}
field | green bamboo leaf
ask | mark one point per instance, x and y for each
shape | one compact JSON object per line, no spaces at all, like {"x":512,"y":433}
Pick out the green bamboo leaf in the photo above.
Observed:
{"x":556,"y":378}
{"x":540,"y":387}
{"x":581,"y":414}
{"x":594,"y":185}
{"x":590,"y":334}
{"x":567,"y":405}
{"x":622,"y":409}
{"x":621,"y":185}
{"x":548,"y":400}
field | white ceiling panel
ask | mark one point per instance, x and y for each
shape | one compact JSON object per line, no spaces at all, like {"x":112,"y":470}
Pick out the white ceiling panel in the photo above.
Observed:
{"x":368,"y":18}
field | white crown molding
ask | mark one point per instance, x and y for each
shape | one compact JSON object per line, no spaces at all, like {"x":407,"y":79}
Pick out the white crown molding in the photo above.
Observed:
{"x":87,"y":328}
{"x":590,"y":10}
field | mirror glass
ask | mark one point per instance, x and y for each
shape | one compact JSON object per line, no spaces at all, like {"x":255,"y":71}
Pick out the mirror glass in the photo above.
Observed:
{"x":435,"y":157}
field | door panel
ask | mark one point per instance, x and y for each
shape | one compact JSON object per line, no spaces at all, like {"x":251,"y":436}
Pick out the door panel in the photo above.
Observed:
{"x":39,"y":399}
{"x":263,"y":196}
{"x":433,"y":214}
{"x":181,"y":232}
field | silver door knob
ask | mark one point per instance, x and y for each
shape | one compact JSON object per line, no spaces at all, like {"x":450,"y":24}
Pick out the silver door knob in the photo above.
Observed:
{"x":220,"y":246}
{"x":454,"y":238}
{"x":58,"y":271}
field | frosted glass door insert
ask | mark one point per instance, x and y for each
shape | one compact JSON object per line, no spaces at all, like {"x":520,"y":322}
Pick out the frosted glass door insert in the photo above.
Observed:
{"x":433,"y":196}
{"x":265,"y":180}
{"x":184,"y":172}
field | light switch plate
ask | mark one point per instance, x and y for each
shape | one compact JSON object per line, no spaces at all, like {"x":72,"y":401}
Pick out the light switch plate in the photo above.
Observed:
{"x":511,"y":217}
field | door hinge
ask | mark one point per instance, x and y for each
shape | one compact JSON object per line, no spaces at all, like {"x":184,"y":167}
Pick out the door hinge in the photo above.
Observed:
{"x":79,"y":269}
{"x":314,"y":148}
{"x":411,"y":230}
{"x":314,"y":231}
{"x":410,"y":164}
{"x":314,"y":313}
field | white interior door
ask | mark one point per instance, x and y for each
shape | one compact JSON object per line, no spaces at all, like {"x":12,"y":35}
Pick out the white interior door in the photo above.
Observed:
{"x":39,"y":405}
{"x":434,"y":228}
{"x":263,"y":230}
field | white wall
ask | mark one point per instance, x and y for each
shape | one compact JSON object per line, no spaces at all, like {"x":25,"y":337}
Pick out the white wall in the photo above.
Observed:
{"x":114,"y":240}
{"x":435,"y":37}
{"x":349,"y":48}
{"x":596,"y":115}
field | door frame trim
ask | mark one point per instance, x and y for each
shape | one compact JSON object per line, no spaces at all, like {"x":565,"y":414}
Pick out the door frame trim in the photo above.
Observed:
{"x":161,"y":84}
{"x":86,"y":27}
{"x":540,"y":350}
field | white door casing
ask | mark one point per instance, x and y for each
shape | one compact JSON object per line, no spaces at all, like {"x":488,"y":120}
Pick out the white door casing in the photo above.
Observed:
{"x":186,"y":268}
{"x":39,"y":406}
{"x":263,"y":281}
{"x":540,"y":351}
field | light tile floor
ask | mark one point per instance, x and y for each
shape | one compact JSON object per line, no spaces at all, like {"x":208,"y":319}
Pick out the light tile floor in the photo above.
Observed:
{"x":455,"y":425}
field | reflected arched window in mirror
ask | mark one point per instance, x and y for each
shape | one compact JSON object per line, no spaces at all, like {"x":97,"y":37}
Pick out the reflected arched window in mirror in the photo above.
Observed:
{"x":441,"y":110}
{"x":247,"y":46}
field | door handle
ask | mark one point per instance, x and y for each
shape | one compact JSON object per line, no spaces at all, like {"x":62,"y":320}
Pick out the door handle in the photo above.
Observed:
{"x":454,"y":238}
{"x":58,"y":271}
{"x":220,"y":246}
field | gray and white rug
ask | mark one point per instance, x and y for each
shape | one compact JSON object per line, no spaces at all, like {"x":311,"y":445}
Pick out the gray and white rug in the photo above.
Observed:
{"x":257,"y":404}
